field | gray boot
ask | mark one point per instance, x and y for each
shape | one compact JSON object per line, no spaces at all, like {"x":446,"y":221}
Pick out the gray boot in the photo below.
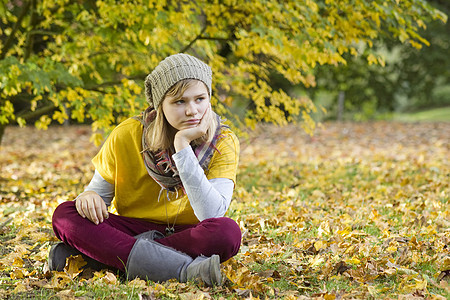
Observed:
{"x":205,"y":268}
{"x":150,"y":260}
{"x":60,"y":252}
{"x":58,"y":255}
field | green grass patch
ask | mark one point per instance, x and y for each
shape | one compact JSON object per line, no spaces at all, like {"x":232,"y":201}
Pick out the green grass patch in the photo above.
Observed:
{"x":372,"y":230}
{"x":432,"y":115}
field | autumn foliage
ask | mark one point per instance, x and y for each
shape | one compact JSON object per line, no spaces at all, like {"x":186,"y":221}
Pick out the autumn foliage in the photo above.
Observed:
{"x":357,"y":211}
{"x":86,"y":60}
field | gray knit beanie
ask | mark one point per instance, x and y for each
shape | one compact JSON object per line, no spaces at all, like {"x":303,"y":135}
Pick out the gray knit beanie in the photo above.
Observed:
{"x":171,"y":70}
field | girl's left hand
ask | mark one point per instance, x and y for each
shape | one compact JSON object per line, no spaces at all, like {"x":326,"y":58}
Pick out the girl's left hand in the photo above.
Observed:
{"x":185,"y":136}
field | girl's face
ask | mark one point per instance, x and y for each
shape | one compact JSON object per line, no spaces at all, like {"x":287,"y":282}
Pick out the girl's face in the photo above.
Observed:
{"x":187,"y":111}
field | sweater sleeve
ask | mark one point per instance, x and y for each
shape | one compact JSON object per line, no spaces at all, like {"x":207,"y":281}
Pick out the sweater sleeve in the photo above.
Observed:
{"x":208,"y":198}
{"x":102,"y":187}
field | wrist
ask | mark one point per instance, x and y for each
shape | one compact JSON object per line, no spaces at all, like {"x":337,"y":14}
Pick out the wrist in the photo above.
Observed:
{"x":180,"y":143}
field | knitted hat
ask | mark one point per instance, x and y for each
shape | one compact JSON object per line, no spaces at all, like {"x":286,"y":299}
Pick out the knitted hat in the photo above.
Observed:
{"x":171,"y":70}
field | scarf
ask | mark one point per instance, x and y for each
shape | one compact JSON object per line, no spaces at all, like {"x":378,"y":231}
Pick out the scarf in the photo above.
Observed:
{"x":160,"y":165}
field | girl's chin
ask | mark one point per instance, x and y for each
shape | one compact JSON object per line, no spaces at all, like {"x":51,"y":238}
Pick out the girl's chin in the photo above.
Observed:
{"x":182,"y":127}
{"x":187,"y":126}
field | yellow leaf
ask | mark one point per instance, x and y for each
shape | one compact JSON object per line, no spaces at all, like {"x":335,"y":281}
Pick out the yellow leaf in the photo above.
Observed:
{"x":21,"y":122}
{"x":391,"y":249}
{"x":371,"y":59}
{"x":198,"y":295}
{"x":406,"y":271}
{"x":318,"y":194}
{"x":372,"y":290}
{"x":60,"y":116}
{"x":59,"y":281}
{"x":137,"y":283}
{"x":18,"y":262}
{"x":390,"y":271}
{"x":96,"y":138}
{"x":74,"y":265}
{"x":17,"y":274}
{"x":317,"y":260}
{"x":110,"y":278}
{"x":353,"y":261}
{"x":262,"y":224}
{"x":320,"y":245}
{"x":43,"y":122}
{"x":20,"y":288}
{"x":329,"y":296}
{"x":66,"y":294}
{"x":421,"y":284}
{"x":324,"y":228}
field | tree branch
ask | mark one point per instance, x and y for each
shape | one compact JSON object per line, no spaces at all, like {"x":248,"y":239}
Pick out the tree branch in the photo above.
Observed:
{"x":114,"y":82}
{"x":216,"y":38}
{"x":30,"y":37}
{"x":9,"y":40}
{"x":43,"y":32}
{"x":193,"y":41}
{"x":209,"y":38}
{"x":142,"y":76}
{"x":37,"y":113}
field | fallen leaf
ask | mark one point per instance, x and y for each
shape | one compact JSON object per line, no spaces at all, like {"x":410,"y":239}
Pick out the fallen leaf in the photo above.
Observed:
{"x":20,"y":288}
{"x":110,"y":278}
{"x":66,"y":294}
{"x":341,"y":267}
{"x":74,"y":265}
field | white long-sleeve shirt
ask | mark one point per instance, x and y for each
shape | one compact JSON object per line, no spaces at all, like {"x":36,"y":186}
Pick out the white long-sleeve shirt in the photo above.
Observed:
{"x":208,"y":198}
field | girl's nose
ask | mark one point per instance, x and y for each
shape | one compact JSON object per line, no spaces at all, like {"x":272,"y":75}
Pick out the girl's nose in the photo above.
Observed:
{"x":191,"y":109}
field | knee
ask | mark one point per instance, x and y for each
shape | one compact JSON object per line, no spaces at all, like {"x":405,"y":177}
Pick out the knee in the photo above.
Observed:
{"x":228,"y":230}
{"x":63,"y":217}
{"x":225,"y":235}
{"x":63,"y":210}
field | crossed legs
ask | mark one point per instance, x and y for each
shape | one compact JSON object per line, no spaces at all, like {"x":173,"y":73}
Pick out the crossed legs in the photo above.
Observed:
{"x":111,"y":241}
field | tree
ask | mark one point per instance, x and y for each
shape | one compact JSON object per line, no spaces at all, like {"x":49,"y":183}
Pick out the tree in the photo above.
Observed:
{"x":91,"y":57}
{"x":422,"y":73}
{"x":411,"y":78}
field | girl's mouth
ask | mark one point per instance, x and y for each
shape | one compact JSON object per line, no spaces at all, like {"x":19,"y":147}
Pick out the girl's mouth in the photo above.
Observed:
{"x":192,"y":122}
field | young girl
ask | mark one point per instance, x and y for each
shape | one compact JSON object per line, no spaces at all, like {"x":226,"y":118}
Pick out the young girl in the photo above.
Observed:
{"x":169,"y":176}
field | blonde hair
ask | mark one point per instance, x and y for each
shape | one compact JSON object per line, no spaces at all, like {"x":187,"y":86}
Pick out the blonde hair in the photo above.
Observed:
{"x":160,"y":134}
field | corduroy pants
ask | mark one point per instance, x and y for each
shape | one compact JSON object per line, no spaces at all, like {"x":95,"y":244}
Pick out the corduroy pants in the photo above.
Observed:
{"x":110,"y":242}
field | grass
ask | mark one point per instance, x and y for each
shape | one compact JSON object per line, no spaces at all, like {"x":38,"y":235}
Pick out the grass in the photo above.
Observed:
{"x":432,"y":115}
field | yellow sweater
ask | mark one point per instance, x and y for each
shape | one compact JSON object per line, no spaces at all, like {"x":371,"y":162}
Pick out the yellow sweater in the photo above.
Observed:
{"x":120,"y":162}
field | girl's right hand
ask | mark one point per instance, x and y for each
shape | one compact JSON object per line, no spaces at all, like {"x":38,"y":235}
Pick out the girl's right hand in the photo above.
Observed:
{"x":90,"y":205}
{"x":185,"y":136}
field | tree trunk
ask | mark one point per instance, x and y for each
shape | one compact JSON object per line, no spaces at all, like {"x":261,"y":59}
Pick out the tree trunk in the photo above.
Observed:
{"x":341,"y":100}
{"x":2,"y":131}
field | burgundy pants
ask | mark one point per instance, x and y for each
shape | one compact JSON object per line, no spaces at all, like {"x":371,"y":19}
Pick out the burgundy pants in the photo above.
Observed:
{"x":110,"y":242}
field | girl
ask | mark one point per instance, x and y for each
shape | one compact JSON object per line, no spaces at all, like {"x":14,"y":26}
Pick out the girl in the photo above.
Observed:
{"x":169,"y":176}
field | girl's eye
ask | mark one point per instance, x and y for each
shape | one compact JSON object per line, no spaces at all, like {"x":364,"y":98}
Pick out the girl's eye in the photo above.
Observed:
{"x":179,"y":102}
{"x":200,"y":99}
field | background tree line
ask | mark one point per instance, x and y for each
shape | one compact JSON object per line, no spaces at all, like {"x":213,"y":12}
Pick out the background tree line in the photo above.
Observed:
{"x":411,"y":79}
{"x":86,"y":60}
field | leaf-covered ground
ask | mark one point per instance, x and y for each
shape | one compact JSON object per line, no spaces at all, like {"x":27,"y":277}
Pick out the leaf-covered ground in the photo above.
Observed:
{"x":357,"y":211}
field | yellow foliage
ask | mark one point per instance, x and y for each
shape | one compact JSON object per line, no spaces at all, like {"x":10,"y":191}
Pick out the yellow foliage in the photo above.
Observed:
{"x":96,"y":61}
{"x":43,"y":122}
